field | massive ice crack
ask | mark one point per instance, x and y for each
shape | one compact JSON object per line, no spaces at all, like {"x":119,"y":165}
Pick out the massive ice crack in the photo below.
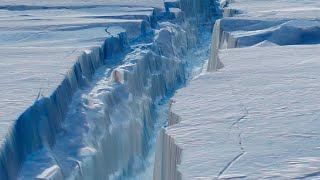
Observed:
{"x":110,"y":123}
{"x":107,"y":130}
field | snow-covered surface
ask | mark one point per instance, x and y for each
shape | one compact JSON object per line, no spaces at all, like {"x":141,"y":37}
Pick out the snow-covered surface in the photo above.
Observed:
{"x":257,"y":118}
{"x":275,"y":9}
{"x":21,"y":4}
{"x":255,"y":115}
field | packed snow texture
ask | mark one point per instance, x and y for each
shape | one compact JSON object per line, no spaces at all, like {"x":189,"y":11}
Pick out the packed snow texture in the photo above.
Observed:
{"x":254,"y":115}
{"x":83,"y":78}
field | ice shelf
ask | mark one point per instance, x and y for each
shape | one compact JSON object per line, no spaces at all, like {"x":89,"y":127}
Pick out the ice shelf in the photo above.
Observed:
{"x":255,"y":113}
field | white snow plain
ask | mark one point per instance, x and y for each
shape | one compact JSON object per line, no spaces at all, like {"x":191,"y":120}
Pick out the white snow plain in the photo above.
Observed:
{"x":255,"y":114}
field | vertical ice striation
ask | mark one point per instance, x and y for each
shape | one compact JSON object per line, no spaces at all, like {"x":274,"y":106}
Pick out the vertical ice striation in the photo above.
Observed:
{"x":168,"y":154}
{"x":214,"y":63}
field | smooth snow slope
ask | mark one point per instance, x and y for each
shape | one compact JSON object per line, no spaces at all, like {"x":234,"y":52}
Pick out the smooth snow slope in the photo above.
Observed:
{"x":255,"y":114}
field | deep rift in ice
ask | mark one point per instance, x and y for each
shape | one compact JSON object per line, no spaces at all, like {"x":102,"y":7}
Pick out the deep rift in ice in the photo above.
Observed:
{"x":108,"y":93}
{"x":110,"y":128}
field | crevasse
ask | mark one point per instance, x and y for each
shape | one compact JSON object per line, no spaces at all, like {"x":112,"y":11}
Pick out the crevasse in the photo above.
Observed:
{"x":99,"y":122}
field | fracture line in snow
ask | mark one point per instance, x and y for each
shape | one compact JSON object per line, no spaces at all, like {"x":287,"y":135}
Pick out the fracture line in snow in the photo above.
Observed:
{"x":238,"y":120}
{"x":311,"y":175}
{"x":236,"y":123}
{"x":244,"y":108}
{"x":230,"y":164}
{"x":240,"y":142}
